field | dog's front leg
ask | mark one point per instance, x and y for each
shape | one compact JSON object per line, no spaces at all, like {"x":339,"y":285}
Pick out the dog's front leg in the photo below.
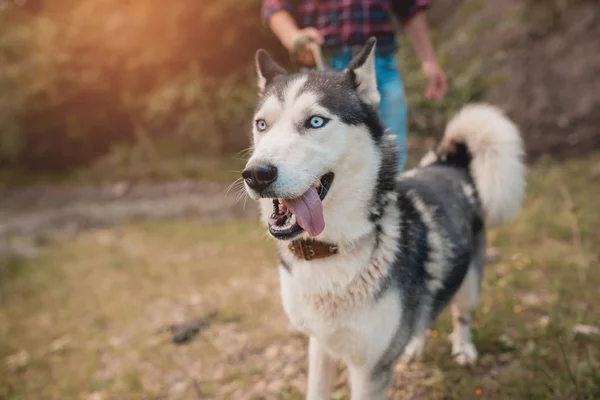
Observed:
{"x":321,"y":371}
{"x":369,"y":384}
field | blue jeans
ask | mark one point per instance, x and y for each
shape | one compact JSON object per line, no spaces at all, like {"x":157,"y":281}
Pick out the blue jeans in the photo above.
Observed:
{"x":392,"y":109}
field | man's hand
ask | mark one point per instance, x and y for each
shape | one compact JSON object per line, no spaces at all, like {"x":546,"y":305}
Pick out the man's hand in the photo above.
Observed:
{"x":418,"y":32}
{"x":304,"y":55}
{"x":437,"y":84}
{"x":285,"y":28}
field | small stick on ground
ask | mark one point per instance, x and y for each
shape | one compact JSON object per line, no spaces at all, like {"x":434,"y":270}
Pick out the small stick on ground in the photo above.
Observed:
{"x":569,"y":371}
{"x":575,"y":229}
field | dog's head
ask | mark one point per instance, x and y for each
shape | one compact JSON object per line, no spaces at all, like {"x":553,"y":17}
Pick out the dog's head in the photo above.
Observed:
{"x":315,"y":145}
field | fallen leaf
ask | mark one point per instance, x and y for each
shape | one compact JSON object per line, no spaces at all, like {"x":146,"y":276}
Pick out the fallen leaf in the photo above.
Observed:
{"x":18,"y":360}
{"x":586,"y":330}
{"x":60,"y":344}
{"x":95,"y":396}
{"x":517,"y":309}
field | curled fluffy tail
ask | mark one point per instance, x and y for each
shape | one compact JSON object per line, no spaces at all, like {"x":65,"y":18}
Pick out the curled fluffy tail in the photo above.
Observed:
{"x":493,"y":154}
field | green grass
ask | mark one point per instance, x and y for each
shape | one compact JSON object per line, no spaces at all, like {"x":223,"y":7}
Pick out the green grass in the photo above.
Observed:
{"x":545,"y":283}
{"x":109,"y":285}
{"x":85,"y":315}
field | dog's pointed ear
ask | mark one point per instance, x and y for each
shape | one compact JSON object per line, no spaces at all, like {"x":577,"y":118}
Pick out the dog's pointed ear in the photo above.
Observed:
{"x":361,"y":71}
{"x":266,"y":68}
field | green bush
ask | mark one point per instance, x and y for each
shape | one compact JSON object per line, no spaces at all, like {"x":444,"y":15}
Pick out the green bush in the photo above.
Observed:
{"x":83,"y":76}
{"x":468,"y":81}
{"x":199,"y":111}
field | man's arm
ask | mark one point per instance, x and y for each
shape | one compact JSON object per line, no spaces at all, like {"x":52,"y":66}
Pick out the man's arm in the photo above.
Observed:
{"x":277,"y":15}
{"x":412,"y":15}
{"x":284,"y":27}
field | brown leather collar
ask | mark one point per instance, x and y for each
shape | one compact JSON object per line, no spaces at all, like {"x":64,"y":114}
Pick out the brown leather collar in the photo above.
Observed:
{"x":311,"y":249}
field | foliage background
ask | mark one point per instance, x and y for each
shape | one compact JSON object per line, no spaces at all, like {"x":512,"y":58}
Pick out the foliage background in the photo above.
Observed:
{"x":145,"y":79}
{"x":141,"y":80}
{"x":78,"y":78}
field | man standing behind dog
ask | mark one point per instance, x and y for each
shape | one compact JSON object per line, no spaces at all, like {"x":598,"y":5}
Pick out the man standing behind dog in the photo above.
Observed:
{"x":342,"y":27}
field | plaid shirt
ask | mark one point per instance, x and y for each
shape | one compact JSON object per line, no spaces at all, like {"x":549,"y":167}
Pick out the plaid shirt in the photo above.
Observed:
{"x":349,"y":22}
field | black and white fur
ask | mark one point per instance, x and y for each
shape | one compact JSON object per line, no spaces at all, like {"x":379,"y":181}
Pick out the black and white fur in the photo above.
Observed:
{"x":408,"y":244}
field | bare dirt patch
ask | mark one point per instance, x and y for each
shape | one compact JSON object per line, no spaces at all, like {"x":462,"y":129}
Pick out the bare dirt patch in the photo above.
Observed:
{"x":36,"y":210}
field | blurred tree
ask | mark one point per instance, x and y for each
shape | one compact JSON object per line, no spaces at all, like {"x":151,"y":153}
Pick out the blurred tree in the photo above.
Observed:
{"x":84,"y":75}
{"x":81,"y":77}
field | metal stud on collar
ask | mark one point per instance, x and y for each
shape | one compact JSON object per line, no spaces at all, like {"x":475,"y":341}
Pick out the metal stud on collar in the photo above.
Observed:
{"x":309,"y":250}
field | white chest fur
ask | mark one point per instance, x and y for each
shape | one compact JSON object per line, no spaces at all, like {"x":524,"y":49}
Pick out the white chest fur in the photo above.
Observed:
{"x":356,"y":329}
{"x":334,"y":299}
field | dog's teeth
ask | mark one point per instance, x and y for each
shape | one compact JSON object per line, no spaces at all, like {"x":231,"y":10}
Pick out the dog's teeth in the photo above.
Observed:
{"x":292,"y":220}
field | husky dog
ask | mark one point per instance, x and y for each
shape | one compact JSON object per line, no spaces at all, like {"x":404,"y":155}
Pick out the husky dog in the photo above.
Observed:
{"x":369,"y":258}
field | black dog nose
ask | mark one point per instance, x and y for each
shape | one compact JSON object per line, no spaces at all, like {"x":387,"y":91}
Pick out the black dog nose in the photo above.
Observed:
{"x":260,"y":177}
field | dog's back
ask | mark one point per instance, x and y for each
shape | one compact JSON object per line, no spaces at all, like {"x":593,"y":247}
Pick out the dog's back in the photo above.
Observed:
{"x":474,"y":175}
{"x":441,"y":231}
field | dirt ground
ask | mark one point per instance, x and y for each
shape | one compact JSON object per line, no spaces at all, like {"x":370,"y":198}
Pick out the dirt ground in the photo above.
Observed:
{"x":36,"y":210}
{"x":90,"y":310}
{"x":77,"y":206}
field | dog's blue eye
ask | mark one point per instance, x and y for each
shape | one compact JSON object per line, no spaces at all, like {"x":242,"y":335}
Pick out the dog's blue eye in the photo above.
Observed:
{"x":261,"y":125}
{"x":316,"y":122}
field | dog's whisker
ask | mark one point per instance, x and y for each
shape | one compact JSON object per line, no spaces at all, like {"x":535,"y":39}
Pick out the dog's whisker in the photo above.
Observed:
{"x":243,"y":152}
{"x":237,"y":184}
{"x":238,"y":190}
{"x":233,"y":184}
{"x":236,"y":172}
{"x":241,"y":194}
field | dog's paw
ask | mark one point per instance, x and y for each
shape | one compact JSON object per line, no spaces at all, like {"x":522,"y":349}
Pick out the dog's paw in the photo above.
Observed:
{"x":414,"y":349}
{"x":464,"y":353}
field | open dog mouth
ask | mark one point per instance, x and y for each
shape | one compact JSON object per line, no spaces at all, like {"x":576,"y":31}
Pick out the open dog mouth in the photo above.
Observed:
{"x":305,"y":213}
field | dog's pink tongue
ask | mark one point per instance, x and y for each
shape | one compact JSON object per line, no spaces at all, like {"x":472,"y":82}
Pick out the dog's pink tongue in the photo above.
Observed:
{"x":308,"y":210}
